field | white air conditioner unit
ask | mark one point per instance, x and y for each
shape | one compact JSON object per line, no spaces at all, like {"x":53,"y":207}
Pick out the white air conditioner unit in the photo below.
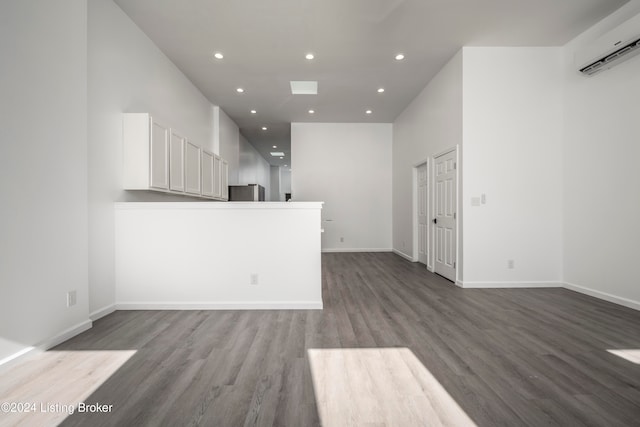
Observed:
{"x":616,"y":46}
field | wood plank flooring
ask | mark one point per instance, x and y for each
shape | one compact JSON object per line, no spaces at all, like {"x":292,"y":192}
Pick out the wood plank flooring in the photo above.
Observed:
{"x":503,"y":357}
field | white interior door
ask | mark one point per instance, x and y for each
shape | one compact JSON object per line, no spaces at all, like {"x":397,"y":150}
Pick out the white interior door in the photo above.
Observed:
{"x":423,"y":213}
{"x":445,"y":214}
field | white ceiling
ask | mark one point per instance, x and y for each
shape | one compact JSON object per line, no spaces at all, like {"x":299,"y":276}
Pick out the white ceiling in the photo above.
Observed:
{"x":264,"y":43}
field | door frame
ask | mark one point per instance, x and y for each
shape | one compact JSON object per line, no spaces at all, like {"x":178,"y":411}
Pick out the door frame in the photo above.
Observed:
{"x":432,"y":196}
{"x":414,"y":212}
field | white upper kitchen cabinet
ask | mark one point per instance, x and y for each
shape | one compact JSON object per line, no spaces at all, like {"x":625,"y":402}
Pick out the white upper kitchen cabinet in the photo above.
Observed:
{"x":159,"y":158}
{"x":208,"y":176}
{"x":224,"y":180}
{"x":176,"y":161}
{"x":192,"y":168}
{"x":146,"y":153}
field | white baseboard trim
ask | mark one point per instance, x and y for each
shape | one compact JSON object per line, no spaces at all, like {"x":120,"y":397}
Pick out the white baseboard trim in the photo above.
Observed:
{"x":100,"y":313}
{"x":331,"y":250}
{"x":603,"y":296}
{"x":240,"y":305}
{"x":66,"y":335}
{"x":45,"y":344}
{"x":17,"y":357}
{"x":506,"y":285}
{"x":405,"y":256}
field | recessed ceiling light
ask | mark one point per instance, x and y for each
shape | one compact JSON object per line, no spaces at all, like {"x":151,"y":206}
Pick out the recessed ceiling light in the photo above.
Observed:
{"x":253,"y":111}
{"x":368,"y":111}
{"x":286,"y":165}
{"x":309,"y":56}
{"x":277,"y":153}
{"x":218,"y":55}
{"x":275,"y":146}
{"x":281,"y":158}
{"x":399,"y":57}
{"x":239,"y":90}
{"x":264,"y":128}
{"x":311,"y":111}
{"x":380,"y":90}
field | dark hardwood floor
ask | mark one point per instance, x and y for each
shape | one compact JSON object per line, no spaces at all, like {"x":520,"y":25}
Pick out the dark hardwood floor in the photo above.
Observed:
{"x":508,"y":357}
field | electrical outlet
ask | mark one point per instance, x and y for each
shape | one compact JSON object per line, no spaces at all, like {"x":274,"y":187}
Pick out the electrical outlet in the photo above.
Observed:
{"x":511,"y":264}
{"x":342,"y":240}
{"x":71,"y":298}
{"x":254,"y":279}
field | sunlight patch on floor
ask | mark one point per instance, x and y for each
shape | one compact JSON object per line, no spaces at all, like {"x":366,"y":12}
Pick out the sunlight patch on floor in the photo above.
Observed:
{"x":48,"y":387}
{"x":380,"y":386}
{"x":632,"y":355}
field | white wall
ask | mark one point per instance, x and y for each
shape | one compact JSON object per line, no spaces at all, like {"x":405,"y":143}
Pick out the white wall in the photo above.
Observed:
{"x":601,"y":174}
{"x":202,"y":255}
{"x":254,"y":169}
{"x":348,"y":166}
{"x":431,"y":124}
{"x":228,"y":137}
{"x":285,"y":183}
{"x":43,"y":171}
{"x":513,"y":115}
{"x":274,"y":184}
{"x":127,"y":73}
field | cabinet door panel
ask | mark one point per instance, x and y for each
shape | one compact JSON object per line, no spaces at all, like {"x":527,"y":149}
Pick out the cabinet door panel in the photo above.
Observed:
{"x":225,"y":180}
{"x":217,"y":176}
{"x":159,"y":169}
{"x":207,"y":174}
{"x":176,"y":162}
{"x":192,"y":168}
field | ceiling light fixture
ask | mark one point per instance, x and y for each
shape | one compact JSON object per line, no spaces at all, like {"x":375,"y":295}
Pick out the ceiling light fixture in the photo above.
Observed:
{"x":281,"y":158}
{"x":218,"y":55}
{"x":239,"y":90}
{"x":275,"y":146}
{"x":368,"y":112}
{"x":304,"y":87}
{"x":277,"y":153}
{"x":311,"y":111}
{"x":264,"y":128}
{"x":253,"y":111}
{"x":309,"y":56}
{"x":399,"y":57}
{"x":380,"y":90}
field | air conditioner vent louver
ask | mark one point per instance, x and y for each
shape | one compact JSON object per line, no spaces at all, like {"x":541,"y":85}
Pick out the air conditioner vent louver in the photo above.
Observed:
{"x":624,"y":51}
{"x":610,"y":49}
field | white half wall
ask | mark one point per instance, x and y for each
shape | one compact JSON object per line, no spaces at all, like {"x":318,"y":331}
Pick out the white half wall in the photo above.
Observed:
{"x":203,"y":255}
{"x":254,"y":169}
{"x":431,"y":124}
{"x":601,"y":173}
{"x":43,"y":172}
{"x":513,"y":118}
{"x":128,"y":73}
{"x":347,"y":166}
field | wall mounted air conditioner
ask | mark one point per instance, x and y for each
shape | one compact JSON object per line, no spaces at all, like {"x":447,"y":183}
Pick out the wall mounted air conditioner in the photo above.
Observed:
{"x":616,"y":46}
